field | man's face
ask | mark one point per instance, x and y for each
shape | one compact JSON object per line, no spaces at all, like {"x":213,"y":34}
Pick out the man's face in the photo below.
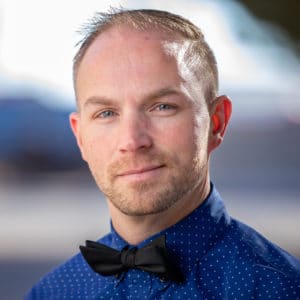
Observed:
{"x":143,"y":124}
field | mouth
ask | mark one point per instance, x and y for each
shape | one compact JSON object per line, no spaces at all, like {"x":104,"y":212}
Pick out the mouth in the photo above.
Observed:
{"x":141,"y":173}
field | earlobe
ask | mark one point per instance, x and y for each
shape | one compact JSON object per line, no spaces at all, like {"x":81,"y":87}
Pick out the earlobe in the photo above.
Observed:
{"x":220,"y":117}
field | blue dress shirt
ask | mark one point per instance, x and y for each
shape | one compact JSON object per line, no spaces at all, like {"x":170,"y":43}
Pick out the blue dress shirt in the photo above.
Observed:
{"x":220,"y":257}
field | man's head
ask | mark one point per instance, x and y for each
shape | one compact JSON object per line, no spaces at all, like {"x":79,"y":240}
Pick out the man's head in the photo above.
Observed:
{"x":148,"y":112}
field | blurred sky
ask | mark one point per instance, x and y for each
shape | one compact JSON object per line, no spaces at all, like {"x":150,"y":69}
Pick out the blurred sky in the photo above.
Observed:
{"x":37,"y":44}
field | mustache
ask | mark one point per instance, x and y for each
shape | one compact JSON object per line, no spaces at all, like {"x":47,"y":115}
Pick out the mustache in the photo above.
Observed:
{"x":137,"y":162}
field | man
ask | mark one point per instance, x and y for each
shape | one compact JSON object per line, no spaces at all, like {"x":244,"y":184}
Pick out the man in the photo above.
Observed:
{"x":148,"y":118}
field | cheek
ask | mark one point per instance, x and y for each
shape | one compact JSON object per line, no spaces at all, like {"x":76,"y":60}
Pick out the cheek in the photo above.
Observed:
{"x":96,"y":149}
{"x":179,"y":137}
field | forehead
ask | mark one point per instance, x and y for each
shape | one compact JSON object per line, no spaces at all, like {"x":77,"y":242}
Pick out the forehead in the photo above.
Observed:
{"x":118,"y":48}
{"x":120,"y":41}
{"x":125,"y":60}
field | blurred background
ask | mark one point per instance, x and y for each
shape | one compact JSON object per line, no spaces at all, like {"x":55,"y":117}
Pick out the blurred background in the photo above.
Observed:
{"x":49,"y":204}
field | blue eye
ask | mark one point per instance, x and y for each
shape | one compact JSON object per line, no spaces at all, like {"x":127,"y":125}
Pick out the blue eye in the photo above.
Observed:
{"x":106,"y":114}
{"x":164,"y":107}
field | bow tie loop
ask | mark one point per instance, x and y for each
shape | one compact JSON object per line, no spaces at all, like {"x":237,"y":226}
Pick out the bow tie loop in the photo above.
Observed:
{"x":128,"y":257}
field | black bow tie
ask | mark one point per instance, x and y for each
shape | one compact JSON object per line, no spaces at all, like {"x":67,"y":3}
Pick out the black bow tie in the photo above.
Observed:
{"x":151,"y":258}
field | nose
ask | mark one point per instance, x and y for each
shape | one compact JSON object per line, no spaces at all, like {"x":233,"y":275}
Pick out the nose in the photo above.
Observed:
{"x":134,"y":133}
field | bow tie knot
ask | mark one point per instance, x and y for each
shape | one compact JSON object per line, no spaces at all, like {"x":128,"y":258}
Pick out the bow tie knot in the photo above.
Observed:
{"x":128,"y":257}
{"x":152,"y":258}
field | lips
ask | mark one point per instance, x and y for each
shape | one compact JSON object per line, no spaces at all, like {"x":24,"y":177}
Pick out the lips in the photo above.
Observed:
{"x":140,"y":170}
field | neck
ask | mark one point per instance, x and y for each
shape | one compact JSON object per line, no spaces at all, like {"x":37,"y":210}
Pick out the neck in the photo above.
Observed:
{"x":135,"y":229}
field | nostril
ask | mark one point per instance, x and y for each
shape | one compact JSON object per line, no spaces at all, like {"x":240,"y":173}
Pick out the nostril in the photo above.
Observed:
{"x":134,"y":141}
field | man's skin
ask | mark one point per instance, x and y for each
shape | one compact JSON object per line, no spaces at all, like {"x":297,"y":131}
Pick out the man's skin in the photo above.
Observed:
{"x":145,"y":129}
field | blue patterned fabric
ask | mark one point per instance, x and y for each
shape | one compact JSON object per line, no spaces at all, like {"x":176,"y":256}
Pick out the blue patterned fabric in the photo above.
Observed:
{"x":221,"y":258}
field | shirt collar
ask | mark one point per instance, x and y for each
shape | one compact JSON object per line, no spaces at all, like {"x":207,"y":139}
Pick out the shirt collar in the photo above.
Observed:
{"x":192,"y":237}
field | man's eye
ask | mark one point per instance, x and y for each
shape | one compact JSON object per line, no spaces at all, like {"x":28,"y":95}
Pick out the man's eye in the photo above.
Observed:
{"x":106,"y":114}
{"x":164,"y":106}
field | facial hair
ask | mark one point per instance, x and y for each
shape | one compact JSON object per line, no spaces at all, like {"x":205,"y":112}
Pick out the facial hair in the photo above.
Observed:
{"x":156,"y":195}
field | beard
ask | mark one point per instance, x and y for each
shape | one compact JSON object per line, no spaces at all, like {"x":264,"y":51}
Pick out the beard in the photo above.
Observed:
{"x":156,"y":195}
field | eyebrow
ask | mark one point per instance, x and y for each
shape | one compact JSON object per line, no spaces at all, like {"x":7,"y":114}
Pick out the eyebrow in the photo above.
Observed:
{"x":167,"y":91}
{"x":102,"y":100}
{"x":98,"y":100}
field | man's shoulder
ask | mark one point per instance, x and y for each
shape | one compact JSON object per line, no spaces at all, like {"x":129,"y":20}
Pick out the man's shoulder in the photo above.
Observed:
{"x":250,"y":246}
{"x":64,"y":278}
{"x":56,"y":279}
{"x":247,"y":263}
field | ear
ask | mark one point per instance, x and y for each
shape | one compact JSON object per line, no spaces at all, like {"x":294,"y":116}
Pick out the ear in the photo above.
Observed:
{"x":220,"y":116}
{"x":74,"y":120}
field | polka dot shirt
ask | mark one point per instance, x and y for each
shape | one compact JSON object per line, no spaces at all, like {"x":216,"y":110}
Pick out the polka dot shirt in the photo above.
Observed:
{"x":220,"y":258}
